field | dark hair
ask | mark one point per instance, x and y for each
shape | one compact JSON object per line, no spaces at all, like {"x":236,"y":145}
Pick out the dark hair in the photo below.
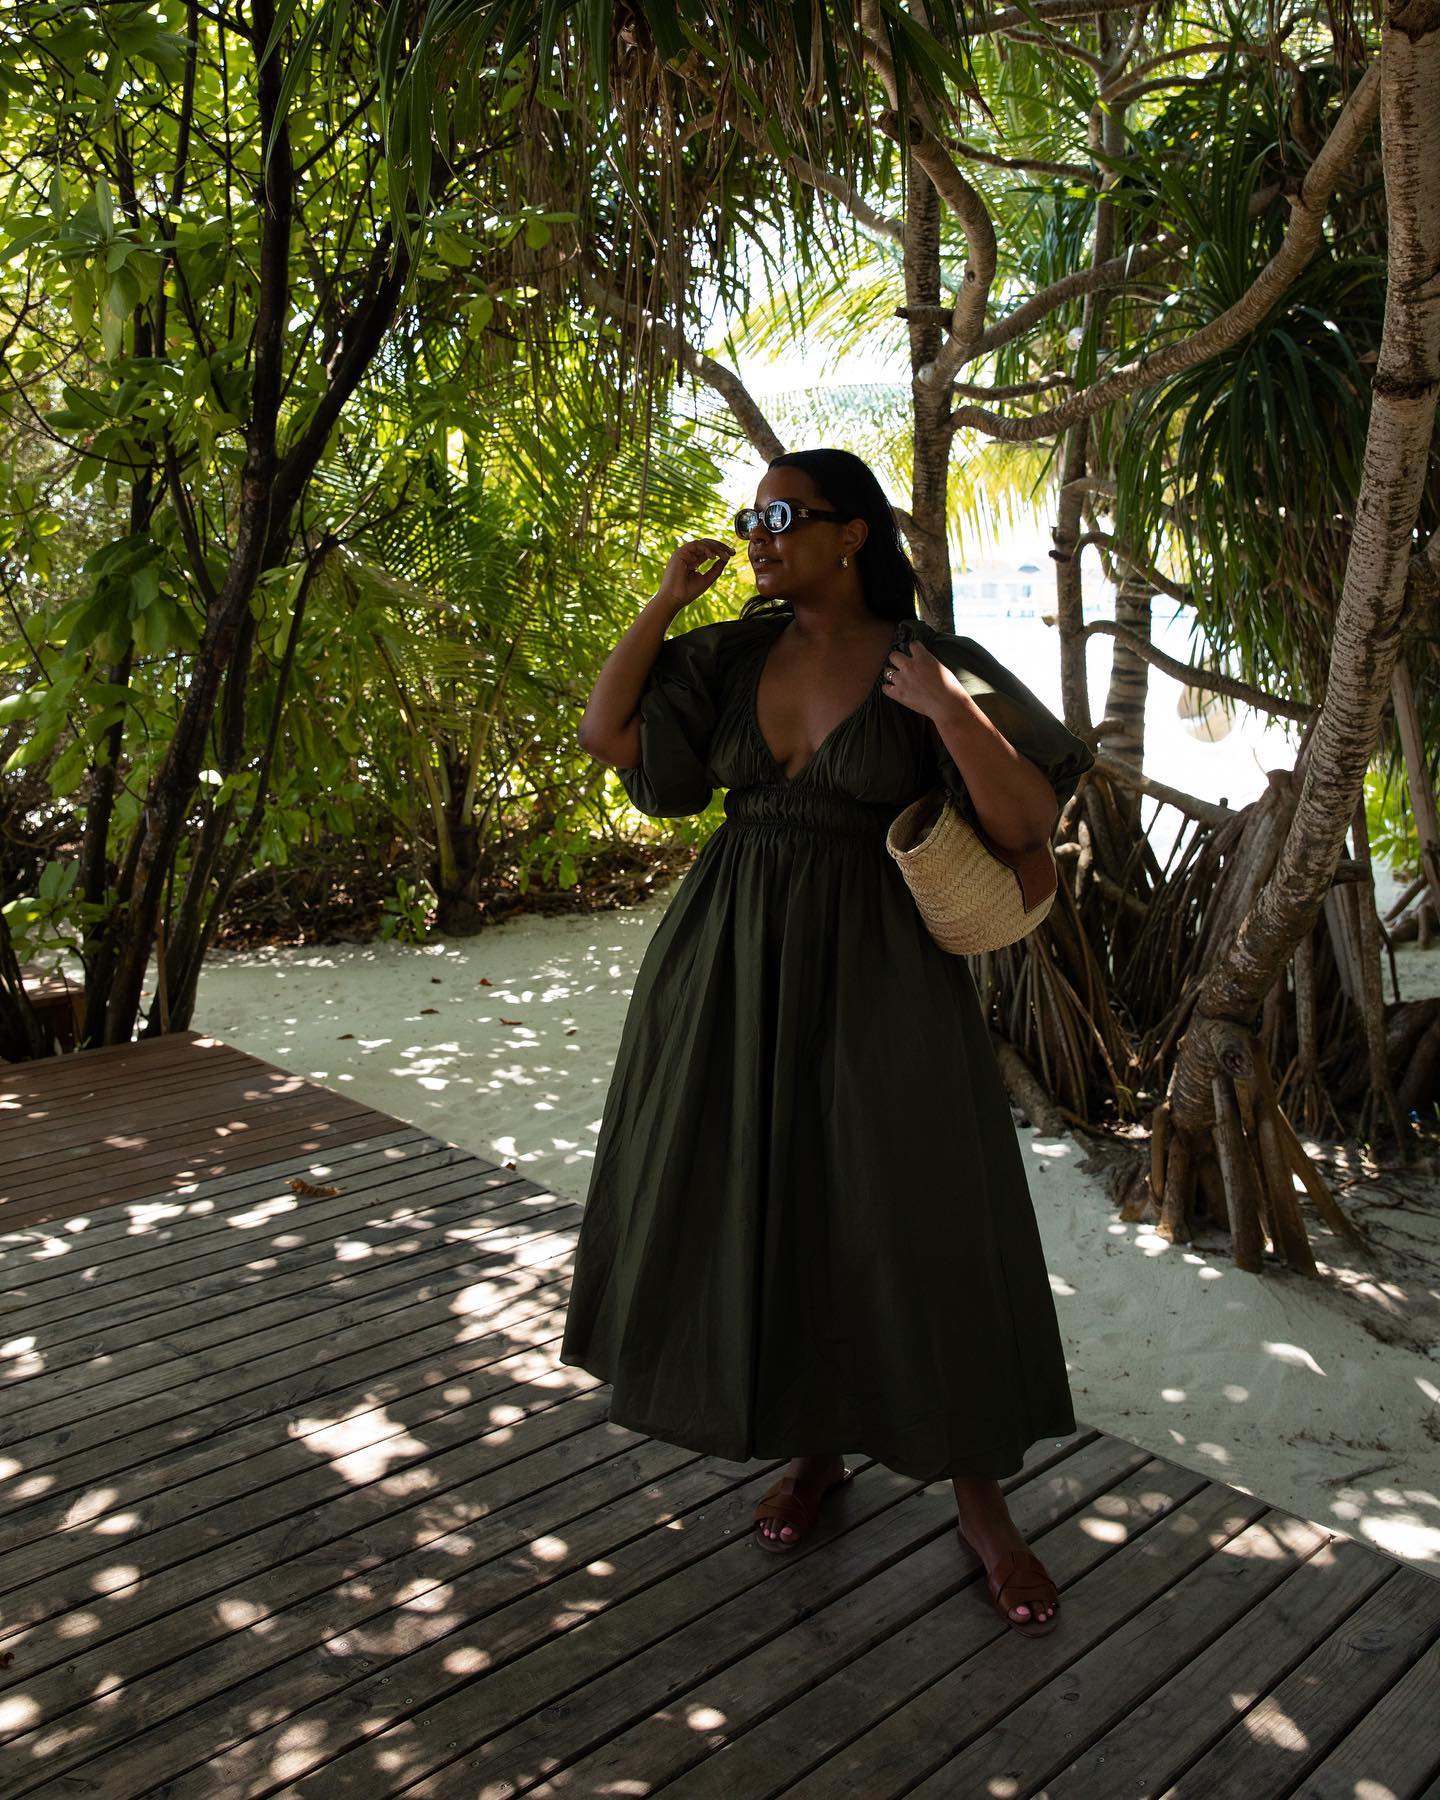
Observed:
{"x":849,"y":487}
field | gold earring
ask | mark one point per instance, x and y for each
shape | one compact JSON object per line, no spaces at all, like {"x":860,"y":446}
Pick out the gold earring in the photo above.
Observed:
{"x":844,"y":562}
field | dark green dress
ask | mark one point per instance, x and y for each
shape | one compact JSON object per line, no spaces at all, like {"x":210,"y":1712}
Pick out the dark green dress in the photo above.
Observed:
{"x":808,"y":1227}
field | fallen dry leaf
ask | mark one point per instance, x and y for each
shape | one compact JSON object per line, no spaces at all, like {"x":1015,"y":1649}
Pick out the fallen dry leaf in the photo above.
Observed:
{"x":310,"y":1189}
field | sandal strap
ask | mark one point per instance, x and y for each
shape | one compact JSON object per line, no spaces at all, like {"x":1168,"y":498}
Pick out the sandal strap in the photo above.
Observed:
{"x":1030,"y":1564}
{"x":788,"y":1507}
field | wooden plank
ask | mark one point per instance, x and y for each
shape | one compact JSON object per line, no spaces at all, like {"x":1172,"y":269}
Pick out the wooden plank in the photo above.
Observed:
{"x":149,"y":1104}
{"x":151,"y":1327}
{"x":41,"y":1438}
{"x":100,"y":1474}
{"x":1159,"y":1739}
{"x":269,"y":1222}
{"x":300,"y":1498}
{"x":1160,"y":1640}
{"x":69,"y":1263}
{"x":249,"y":1553}
{"x":871,"y":1649}
{"x":59,"y":1545}
{"x":1159,"y":1521}
{"x":193,"y":1346}
{"x":276,"y":1224}
{"x":294,"y":1251}
{"x":304,"y":1138}
{"x":89,"y":1111}
{"x":1294,"y":1728}
{"x":304,"y":1553}
{"x":203,"y":1197}
{"x":985,"y":1699}
{"x":81,"y":1109}
{"x":425,"y":1721}
{"x":40,"y":1077}
{"x":88,"y":1171}
{"x":575,"y":1491}
{"x":45,"y":1087}
{"x":1395,"y":1748}
{"x":106,"y":1126}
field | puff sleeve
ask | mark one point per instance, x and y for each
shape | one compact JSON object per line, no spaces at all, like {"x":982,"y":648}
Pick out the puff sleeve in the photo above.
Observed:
{"x":1010,"y":706}
{"x":678,"y":708}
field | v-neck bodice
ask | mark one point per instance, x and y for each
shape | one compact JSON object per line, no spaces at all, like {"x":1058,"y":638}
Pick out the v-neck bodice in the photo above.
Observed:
{"x":753,"y":685}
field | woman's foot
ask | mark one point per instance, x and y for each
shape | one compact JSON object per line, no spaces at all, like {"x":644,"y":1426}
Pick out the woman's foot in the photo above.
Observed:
{"x":986,"y":1525}
{"x":812,"y":1475}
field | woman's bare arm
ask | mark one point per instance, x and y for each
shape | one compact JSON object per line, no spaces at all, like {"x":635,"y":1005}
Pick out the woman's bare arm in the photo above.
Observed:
{"x":610,"y":724}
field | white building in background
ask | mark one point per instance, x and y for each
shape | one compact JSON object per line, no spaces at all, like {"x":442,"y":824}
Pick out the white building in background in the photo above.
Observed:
{"x":1022,"y":586}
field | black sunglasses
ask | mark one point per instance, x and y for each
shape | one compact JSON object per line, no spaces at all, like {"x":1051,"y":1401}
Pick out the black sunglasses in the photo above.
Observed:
{"x":777,"y":516}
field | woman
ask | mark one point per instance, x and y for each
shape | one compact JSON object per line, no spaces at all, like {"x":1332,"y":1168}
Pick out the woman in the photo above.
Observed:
{"x":808,"y":1219}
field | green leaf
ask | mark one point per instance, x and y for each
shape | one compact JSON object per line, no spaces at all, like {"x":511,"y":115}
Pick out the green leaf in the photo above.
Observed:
{"x":454,"y":250}
{"x":35,"y":749}
{"x":26,"y":240}
{"x":123,"y":295}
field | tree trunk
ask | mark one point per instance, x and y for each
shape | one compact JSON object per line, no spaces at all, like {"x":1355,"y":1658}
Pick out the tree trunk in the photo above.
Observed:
{"x":1366,"y":636}
{"x":1129,"y":685}
{"x":930,"y":467}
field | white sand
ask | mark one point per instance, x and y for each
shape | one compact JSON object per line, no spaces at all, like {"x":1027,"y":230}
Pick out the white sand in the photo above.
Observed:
{"x":1270,"y":1383}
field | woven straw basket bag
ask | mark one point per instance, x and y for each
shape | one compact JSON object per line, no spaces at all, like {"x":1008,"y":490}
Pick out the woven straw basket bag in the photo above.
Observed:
{"x":971,"y":895}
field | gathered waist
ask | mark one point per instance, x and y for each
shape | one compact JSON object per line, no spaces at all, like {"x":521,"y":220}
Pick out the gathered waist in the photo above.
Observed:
{"x":785,"y":806}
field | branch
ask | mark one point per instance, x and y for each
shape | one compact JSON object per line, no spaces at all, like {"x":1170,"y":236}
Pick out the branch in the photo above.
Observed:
{"x":1017,"y":390}
{"x":1211,"y":680}
{"x":1067,"y":171}
{"x":820,"y":179}
{"x":1210,"y":812}
{"x":1122,"y":89}
{"x":1063,"y":45}
{"x":1013,"y":19}
{"x":1104,"y":487}
{"x":1302,"y":238}
{"x":1114,"y":273}
{"x":1132,"y":559}
{"x":704,"y":368}
{"x":360,"y":341}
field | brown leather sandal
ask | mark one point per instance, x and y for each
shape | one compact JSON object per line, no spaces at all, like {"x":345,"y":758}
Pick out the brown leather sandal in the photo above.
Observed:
{"x":1008,"y":1587}
{"x":783,"y":1501}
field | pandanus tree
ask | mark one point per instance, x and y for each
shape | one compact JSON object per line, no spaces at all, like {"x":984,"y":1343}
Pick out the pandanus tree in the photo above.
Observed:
{"x":1216,"y":193}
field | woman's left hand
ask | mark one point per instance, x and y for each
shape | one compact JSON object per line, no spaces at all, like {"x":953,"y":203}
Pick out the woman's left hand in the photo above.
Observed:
{"x":921,"y":681}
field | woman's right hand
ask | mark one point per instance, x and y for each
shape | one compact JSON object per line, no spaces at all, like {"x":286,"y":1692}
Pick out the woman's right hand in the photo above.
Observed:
{"x":683,"y":581}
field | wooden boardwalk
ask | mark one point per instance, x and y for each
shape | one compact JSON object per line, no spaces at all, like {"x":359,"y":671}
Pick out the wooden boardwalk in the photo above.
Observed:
{"x":296,"y":1499}
{"x":137,"y":1120}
